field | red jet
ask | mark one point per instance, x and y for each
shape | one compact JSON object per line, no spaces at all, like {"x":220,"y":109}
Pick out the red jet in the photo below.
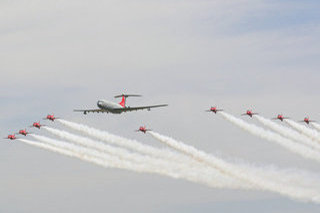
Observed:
{"x":23,"y":132}
{"x":50,"y":117}
{"x":11,"y":137}
{"x":250,"y":113}
{"x":214,"y":109}
{"x":307,"y":120}
{"x":143,"y":129}
{"x":37,"y":125}
{"x":280,"y":117}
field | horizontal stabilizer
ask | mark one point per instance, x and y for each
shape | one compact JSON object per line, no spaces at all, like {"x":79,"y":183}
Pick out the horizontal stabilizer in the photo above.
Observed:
{"x":126,"y":95}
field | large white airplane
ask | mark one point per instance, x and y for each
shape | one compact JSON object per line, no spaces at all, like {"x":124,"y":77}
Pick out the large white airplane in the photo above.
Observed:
{"x":117,"y":108}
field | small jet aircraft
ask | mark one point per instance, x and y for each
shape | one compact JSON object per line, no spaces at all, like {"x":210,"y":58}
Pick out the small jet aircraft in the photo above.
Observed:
{"x":249,"y":113}
{"x":143,"y":129}
{"x":50,"y":117}
{"x":307,"y":120}
{"x":23,"y":132}
{"x":280,"y":117}
{"x":117,"y":108}
{"x":11,"y":137}
{"x":37,"y":125}
{"x":214,"y":109}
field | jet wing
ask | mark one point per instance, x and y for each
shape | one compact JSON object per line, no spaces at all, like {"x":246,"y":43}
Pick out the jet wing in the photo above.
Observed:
{"x":128,"y":109}
{"x":85,"y":111}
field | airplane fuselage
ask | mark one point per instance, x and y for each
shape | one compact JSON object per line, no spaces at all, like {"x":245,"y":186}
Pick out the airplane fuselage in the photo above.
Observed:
{"x":109,"y":106}
{"x":105,"y":106}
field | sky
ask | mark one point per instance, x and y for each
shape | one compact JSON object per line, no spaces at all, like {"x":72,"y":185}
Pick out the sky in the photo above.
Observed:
{"x":239,"y":54}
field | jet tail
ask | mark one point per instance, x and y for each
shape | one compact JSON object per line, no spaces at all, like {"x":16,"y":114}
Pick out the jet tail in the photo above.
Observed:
{"x":124,"y":97}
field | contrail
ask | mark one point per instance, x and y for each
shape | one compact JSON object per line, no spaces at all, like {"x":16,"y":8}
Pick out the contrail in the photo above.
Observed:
{"x":316,"y":125}
{"x":313,"y":134}
{"x":92,"y":156}
{"x":102,"y":135}
{"x":173,"y":157}
{"x":60,"y":148}
{"x":129,"y":144}
{"x":151,"y":165}
{"x":288,"y":132}
{"x":100,"y":146}
{"x":295,"y":147}
{"x":242,"y":174}
{"x":113,"y":160}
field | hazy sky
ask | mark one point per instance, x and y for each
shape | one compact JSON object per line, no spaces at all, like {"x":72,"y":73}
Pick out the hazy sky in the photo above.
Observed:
{"x":238,"y":54}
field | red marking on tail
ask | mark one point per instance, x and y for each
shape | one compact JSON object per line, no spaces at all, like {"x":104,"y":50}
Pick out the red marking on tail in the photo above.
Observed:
{"x":123,"y":101}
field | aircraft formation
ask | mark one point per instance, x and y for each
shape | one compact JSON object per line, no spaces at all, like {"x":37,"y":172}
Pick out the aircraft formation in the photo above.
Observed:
{"x":110,"y":107}
{"x":37,"y":125}
{"x":104,"y":106}
{"x":188,"y":162}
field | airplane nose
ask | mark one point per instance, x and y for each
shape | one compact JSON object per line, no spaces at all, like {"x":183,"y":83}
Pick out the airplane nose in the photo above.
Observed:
{"x":99,"y":104}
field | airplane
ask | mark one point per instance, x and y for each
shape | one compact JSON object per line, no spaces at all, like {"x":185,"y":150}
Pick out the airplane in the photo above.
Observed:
{"x":37,"y":125}
{"x":249,"y":113}
{"x":280,"y":117}
{"x":23,"y":132}
{"x":214,"y":109}
{"x":307,"y":120}
{"x":50,"y":117}
{"x":117,"y":108}
{"x":143,"y":129}
{"x":11,"y":137}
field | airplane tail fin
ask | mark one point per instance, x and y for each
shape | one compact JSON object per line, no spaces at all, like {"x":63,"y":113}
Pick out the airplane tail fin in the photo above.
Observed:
{"x":124,"y":97}
{"x":123,"y":101}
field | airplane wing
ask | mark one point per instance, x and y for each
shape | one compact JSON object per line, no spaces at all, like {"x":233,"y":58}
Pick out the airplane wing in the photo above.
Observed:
{"x":85,"y":111}
{"x":128,"y":109}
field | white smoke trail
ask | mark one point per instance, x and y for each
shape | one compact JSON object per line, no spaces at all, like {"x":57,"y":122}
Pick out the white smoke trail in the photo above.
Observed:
{"x":295,"y":147}
{"x":316,"y":126}
{"x":113,"y":160}
{"x":94,"y":133}
{"x":100,"y":146}
{"x":173,"y":157}
{"x":62,"y":150}
{"x":313,"y":134}
{"x":242,"y":174}
{"x":293,"y":177}
{"x":153,"y":165}
{"x":129,"y":144}
{"x":288,"y":132}
{"x":216,"y":181}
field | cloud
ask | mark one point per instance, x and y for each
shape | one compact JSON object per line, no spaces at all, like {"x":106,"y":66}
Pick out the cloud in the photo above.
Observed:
{"x":54,"y":43}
